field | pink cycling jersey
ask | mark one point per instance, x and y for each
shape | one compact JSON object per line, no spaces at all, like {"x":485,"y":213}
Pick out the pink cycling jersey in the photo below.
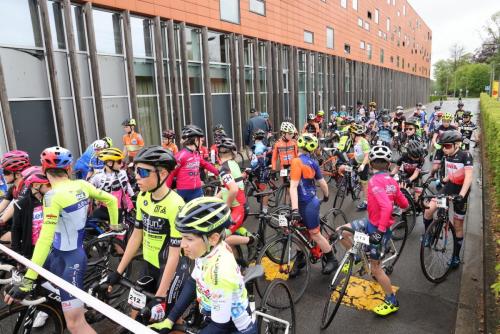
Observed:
{"x":187,"y":171}
{"x":383,"y":192}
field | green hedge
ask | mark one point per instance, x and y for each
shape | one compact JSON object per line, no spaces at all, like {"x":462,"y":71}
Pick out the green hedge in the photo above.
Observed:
{"x":490,"y":113}
{"x":433,"y":98}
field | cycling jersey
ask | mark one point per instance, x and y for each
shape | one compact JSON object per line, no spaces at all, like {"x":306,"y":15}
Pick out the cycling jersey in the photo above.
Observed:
{"x":459,"y":115}
{"x":312,"y":128}
{"x":345,"y":143}
{"x":156,"y":219}
{"x":456,"y":165}
{"x":409,"y":165}
{"x":398,"y":123}
{"x":443,"y":128}
{"x":305,"y":170}
{"x":187,"y":171}
{"x":259,"y":156}
{"x":230,"y":172}
{"x":81,"y":167}
{"x":115,"y":183}
{"x":96,"y":164}
{"x":385,"y":134}
{"x":133,"y":142}
{"x":220,"y":289}
{"x":4,"y":187}
{"x":467,"y":129}
{"x":435,"y":123}
{"x":171,"y":147}
{"x":383,"y":192}
{"x":204,"y":152}
{"x":361,"y":148}
{"x":285,"y":151}
{"x":64,"y":215}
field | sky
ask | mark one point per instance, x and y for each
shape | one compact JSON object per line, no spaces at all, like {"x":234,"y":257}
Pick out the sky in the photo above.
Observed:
{"x":455,"y":21}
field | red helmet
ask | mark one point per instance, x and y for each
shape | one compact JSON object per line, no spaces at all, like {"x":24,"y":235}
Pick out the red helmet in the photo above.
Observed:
{"x":15,"y":161}
{"x":439,"y":113}
{"x":169,"y":134}
{"x":34,"y":174}
{"x":56,"y":157}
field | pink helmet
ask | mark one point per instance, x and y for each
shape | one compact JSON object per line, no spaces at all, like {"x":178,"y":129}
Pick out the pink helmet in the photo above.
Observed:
{"x":34,"y":174}
{"x":15,"y":161}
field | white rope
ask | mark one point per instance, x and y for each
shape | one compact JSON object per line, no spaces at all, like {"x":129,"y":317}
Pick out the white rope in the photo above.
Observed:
{"x":118,"y":317}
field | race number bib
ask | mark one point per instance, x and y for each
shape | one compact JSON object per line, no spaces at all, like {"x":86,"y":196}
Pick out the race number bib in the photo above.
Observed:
{"x":136,"y":299}
{"x":284,"y":172}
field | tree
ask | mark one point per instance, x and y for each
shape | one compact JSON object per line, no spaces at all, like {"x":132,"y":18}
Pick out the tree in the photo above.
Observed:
{"x":443,"y":71}
{"x":472,"y":77}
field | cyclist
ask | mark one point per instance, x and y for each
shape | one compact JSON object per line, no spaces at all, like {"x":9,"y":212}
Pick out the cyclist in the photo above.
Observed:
{"x":132,"y":140}
{"x":320,"y":118}
{"x":459,"y":112}
{"x":445,"y":126}
{"x":285,"y":149}
{"x":82,"y":165}
{"x":435,"y":120}
{"x":219,"y":134}
{"x":168,"y":141}
{"x":304,"y":173}
{"x":383,"y":193}
{"x":412,"y":129}
{"x":360,"y":112}
{"x":260,"y":164}
{"x":411,"y":163}
{"x":311,"y":126}
{"x":96,"y":165}
{"x":189,"y":161}
{"x":398,"y":120}
{"x":60,"y":244}
{"x":384,"y":132}
{"x":361,"y":149}
{"x":458,"y":180}
{"x":113,"y":180}
{"x":468,"y":130}
{"x":216,"y":281}
{"x":372,"y":110}
{"x":155,"y":231}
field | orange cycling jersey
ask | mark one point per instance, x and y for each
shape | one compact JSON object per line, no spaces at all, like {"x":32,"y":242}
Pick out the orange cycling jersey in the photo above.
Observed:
{"x":312,"y":128}
{"x":285,"y":151}
{"x":133,"y":143}
{"x":172,"y":147}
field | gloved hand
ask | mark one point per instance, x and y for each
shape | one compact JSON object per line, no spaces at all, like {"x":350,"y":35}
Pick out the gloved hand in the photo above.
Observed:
{"x":116,"y":228}
{"x":325,"y":198}
{"x":113,"y":278}
{"x":296,"y":217}
{"x":459,"y":200}
{"x":163,"y":327}
{"x":376,"y":237}
{"x":157,"y":307}
{"x":19,"y":292}
{"x":361,"y":168}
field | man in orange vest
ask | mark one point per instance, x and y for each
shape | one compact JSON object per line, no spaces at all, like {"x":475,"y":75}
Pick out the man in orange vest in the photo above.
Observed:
{"x":132,"y":141}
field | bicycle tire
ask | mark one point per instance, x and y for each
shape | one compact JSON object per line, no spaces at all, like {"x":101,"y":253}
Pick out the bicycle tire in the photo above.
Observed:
{"x":328,"y":169}
{"x":338,"y":200}
{"x":395,"y":247}
{"x":433,"y":232}
{"x":240,"y":159}
{"x":338,"y":285}
{"x":335,"y":218}
{"x":54,"y":316}
{"x":271,"y":259}
{"x":411,"y":212}
{"x":288,"y":306}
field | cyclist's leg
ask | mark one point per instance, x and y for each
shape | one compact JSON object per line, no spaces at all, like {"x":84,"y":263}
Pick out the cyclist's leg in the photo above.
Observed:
{"x":459,"y":211}
{"x":238,"y":217}
{"x":357,"y":225}
{"x":363,"y":177}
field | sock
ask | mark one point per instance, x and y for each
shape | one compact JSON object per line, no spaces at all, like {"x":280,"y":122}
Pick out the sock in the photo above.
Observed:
{"x":458,"y":246}
{"x":427,"y":222}
{"x":264,"y":209}
{"x":392,"y":299}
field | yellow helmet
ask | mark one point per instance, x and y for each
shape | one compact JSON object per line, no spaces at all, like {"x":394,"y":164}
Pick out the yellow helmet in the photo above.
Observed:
{"x":308,"y":142}
{"x":112,"y":153}
{"x":447,"y":117}
{"x":320,"y":113}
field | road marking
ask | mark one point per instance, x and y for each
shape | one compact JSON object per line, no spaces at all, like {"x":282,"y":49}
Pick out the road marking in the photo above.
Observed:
{"x":272,"y":270}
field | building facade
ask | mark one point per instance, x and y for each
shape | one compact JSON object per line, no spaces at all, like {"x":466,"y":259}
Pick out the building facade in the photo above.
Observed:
{"x":71,"y":72}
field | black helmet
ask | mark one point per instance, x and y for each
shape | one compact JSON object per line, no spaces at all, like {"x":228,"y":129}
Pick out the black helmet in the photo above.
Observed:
{"x":437,"y":107}
{"x":415,"y":149}
{"x":259,"y":134}
{"x":311,"y":117}
{"x":220,"y":133}
{"x":451,"y":136}
{"x":460,"y":104}
{"x":203,"y":215}
{"x":156,"y":156}
{"x":415,"y":121}
{"x":386,"y":118}
{"x":226,"y":145}
{"x":129,"y":122}
{"x":467,"y":113}
{"x":190,"y":131}
{"x":218,"y":127}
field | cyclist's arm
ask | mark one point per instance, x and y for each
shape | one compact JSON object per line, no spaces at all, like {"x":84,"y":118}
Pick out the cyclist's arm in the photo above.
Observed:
{"x":229,"y":182}
{"x":401,"y":200}
{"x":274,"y":159}
{"x":109,"y":200}
{"x":415,"y":174}
{"x":186,"y":297}
{"x":173,"y":174}
{"x":395,"y":170}
{"x":169,"y":271}
{"x":208,"y":166}
{"x":9,"y":211}
{"x":133,"y":245}
{"x":225,"y":309}
{"x":295,"y":175}
{"x":5,"y":202}
{"x":324,"y":187}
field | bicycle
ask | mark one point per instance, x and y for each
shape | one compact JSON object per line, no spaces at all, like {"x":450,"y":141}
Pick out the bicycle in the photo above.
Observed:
{"x":438,"y":242}
{"x":292,"y":246}
{"x":349,"y":184}
{"x":340,"y":281}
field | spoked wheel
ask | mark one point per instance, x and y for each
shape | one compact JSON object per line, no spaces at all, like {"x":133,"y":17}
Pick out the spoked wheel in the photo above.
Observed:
{"x":340,"y":195}
{"x":410,"y":213}
{"x":329,"y":169}
{"x":394,"y":247}
{"x":337,"y":290}
{"x":278,"y":303}
{"x":334,"y":218}
{"x":286,"y":258}
{"x":14,"y":319}
{"x":436,"y":250}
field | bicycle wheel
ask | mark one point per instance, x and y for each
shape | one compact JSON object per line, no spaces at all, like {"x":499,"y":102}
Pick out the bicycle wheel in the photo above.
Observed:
{"x":437,"y":249}
{"x":394,"y":247}
{"x":18,"y":319}
{"x":340,"y":195}
{"x":240,"y":160}
{"x":278,"y":259}
{"x":334,"y":218}
{"x":328,"y":169}
{"x":337,"y":290}
{"x":277,"y":302}
{"x":410,"y":213}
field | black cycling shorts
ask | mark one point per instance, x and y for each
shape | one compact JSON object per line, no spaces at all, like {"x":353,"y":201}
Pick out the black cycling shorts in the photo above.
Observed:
{"x":454,"y":189}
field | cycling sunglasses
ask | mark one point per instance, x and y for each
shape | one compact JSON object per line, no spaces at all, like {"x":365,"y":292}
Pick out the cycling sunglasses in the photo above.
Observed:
{"x":448,"y":146}
{"x":143,"y":172}
{"x":409,"y":129}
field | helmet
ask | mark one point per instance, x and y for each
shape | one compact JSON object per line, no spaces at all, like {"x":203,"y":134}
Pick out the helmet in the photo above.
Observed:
{"x":399,"y":108}
{"x":112,"y":153}
{"x":129,"y":122}
{"x":423,"y":108}
{"x":358,"y":129}
{"x":359,"y":103}
{"x":264,"y":114}
{"x":372,"y":104}
{"x":227,"y":145}
{"x":308,"y":142}
{"x":451,"y":136}
{"x":108,"y":141}
{"x":34,"y":174}
{"x":310,"y":117}
{"x":56,"y":157}
{"x":415,"y":149}
{"x":439,"y":114}
{"x":415,"y":121}
{"x":467,"y":113}
{"x":332,"y":108}
{"x":320,"y":113}
{"x":386,"y":118}
{"x":419,"y":104}
{"x":460,"y":104}
{"x":203,"y":215}
{"x":447,"y":117}
{"x":190,"y":131}
{"x":287,"y":127}
{"x":156,"y":156}
{"x":350,"y":119}
{"x":220,"y":133}
{"x":380,"y":152}
{"x":437,"y":107}
{"x":169,"y":134}
{"x":15,"y":161}
{"x":218,"y":127}
{"x":259,"y":133}
{"x":99,"y":144}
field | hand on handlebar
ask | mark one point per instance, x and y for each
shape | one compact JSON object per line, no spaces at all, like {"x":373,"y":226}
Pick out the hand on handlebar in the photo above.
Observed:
{"x":158,"y":308}
{"x":163,"y":327}
{"x":21,"y":291}
{"x":296,"y":217}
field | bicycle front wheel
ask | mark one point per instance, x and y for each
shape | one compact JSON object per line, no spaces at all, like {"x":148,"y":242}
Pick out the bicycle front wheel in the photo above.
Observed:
{"x":436,"y":250}
{"x":278,"y":303}
{"x":410,"y":213}
{"x":337,"y":290}
{"x":19,"y":319}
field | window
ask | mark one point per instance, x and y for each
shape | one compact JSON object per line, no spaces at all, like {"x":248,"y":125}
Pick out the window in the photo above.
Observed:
{"x":230,"y":11}
{"x":347,"y":48}
{"x":404,"y":10}
{"x":343,"y":3}
{"x":308,"y":37}
{"x":369,"y":50}
{"x":79,"y":28}
{"x":108,"y":32}
{"x":21,"y":17}
{"x":367,"y":26}
{"x":56,"y":25}
{"x":330,"y":38}
{"x":381,"y":56}
{"x":141,"y":37}
{"x":377,"y":15}
{"x":360,"y":22}
{"x":388,"y":24}
{"x":355,"y":4}
{"x":258,"y":7}
{"x":362,"y":45}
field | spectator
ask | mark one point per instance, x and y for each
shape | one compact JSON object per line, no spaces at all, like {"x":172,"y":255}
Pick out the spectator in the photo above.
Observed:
{"x":255,"y":122}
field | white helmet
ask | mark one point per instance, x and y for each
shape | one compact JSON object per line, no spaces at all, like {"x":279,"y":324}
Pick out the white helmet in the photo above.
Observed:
{"x":399,"y":108}
{"x":423,"y":108}
{"x":99,"y":144}
{"x":380,"y":152}
{"x":287,"y":127}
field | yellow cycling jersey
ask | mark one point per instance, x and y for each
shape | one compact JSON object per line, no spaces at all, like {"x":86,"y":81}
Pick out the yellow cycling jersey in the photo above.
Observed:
{"x":157,"y":220}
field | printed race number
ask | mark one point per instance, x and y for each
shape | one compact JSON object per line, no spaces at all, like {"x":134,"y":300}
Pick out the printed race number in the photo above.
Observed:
{"x":282,"y":221}
{"x":361,"y":238}
{"x":284,"y":172}
{"x":136,"y":299}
